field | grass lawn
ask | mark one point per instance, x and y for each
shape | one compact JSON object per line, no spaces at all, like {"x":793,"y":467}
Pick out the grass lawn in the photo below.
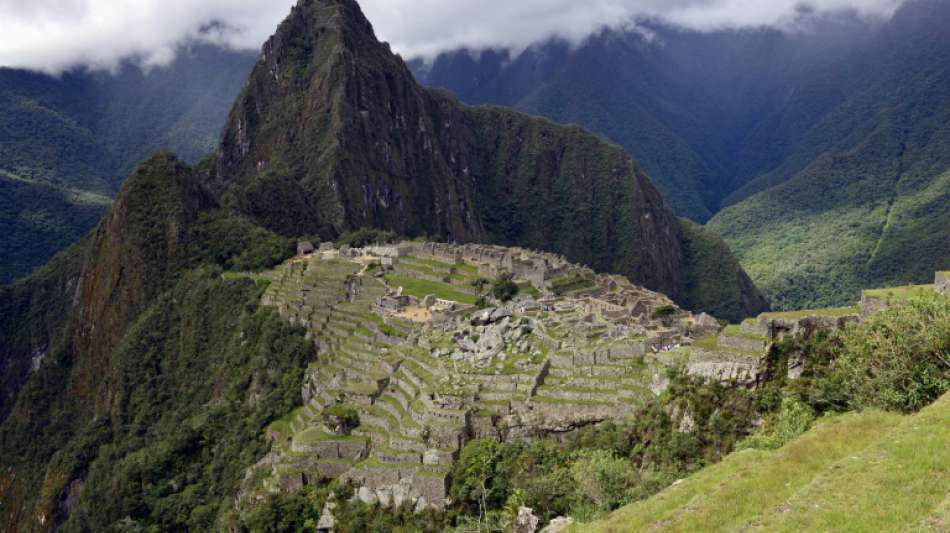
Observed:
{"x":733,"y":330}
{"x":828,"y":312}
{"x":314,"y":435}
{"x":906,"y":292}
{"x":871,"y":471}
{"x":422,"y":288}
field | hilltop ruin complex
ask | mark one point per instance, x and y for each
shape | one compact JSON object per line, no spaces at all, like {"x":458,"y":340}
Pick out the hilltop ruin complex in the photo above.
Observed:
{"x":415,"y":358}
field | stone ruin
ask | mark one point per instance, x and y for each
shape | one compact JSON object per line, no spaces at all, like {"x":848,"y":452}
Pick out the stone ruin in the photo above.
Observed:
{"x":543,"y":364}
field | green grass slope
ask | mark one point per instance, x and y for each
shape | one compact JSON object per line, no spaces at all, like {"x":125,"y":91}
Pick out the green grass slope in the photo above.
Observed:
{"x":870,"y":471}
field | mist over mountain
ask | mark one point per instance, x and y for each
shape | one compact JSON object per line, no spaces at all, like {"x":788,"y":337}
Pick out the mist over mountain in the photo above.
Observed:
{"x":689,"y":104}
{"x":66,"y":143}
{"x":719,"y":116}
{"x":54,"y":36}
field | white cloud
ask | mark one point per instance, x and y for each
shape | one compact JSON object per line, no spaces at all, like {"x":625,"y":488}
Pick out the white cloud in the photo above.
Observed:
{"x":53,"y":35}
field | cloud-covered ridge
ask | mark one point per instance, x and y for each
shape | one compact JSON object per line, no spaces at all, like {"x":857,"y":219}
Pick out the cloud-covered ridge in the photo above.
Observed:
{"x":53,"y":35}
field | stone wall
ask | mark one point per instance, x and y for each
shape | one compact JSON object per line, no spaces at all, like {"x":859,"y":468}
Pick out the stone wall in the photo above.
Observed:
{"x":333,"y":449}
{"x":742,"y":373}
{"x":742,"y":343}
{"x":393,"y":486}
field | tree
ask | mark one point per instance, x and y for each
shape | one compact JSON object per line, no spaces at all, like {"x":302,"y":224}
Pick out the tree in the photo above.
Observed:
{"x":504,"y":289}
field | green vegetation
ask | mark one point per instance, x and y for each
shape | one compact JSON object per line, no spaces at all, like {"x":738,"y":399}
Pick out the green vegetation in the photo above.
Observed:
{"x":733,"y":330}
{"x":662,"y":312}
{"x":609,"y":215}
{"x":851,"y":172}
{"x":37,"y":220}
{"x":341,"y":416}
{"x":503,"y":288}
{"x":863,"y":200}
{"x":792,"y":418}
{"x":66,"y":142}
{"x":422,"y":288}
{"x":237,"y":244}
{"x":898,"y":359}
{"x":573,"y":282}
{"x":726,"y":291}
{"x":293,"y":513}
{"x":871,"y":471}
{"x":867,"y":471}
{"x":707,"y":342}
{"x":908,"y":292}
{"x":601,"y":468}
{"x":365,"y":237}
{"x":33,"y":315}
{"x":828,"y":312}
{"x":170,"y":429}
{"x":157,"y":376}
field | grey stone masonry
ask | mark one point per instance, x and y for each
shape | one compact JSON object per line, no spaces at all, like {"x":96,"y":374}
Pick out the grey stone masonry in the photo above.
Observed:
{"x":742,"y":343}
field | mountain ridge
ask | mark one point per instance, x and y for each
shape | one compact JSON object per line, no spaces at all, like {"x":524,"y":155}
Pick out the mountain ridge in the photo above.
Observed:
{"x":83,"y":132}
{"x":818,"y":155}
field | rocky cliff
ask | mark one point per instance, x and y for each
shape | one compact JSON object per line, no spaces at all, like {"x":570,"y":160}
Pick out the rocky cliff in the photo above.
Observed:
{"x":333,"y":133}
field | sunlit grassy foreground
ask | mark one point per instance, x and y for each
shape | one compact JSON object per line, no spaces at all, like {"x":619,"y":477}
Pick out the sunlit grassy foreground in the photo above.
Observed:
{"x":871,"y":471}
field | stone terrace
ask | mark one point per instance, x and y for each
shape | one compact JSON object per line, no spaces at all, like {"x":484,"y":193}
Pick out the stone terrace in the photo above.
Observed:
{"x":402,"y":347}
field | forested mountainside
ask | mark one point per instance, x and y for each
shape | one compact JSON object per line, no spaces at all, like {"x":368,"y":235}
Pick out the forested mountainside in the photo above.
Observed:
{"x":864,"y":199}
{"x":67,"y":142}
{"x":717,"y":117}
{"x":110,"y":429}
{"x":689,"y":106}
{"x":180,"y":368}
{"x":101,"y":347}
{"x":332,"y":133}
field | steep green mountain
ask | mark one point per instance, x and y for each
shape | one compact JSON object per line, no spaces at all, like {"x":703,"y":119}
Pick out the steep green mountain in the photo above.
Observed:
{"x":149,"y":371}
{"x":865,"y":197}
{"x":83,"y":132}
{"x":839,"y":127}
{"x":687,"y":105}
{"x":332,"y":133}
{"x":139,"y":375}
{"x":101,"y":349}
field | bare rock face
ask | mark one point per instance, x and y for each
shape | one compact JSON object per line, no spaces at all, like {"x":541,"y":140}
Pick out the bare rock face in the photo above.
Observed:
{"x":560,"y":524}
{"x":526,"y":522}
{"x":327,"y":523}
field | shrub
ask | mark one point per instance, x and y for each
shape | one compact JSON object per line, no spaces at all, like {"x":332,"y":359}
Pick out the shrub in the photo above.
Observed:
{"x":602,"y":479}
{"x":662,"y":312}
{"x":341,"y":418}
{"x":504,"y":288}
{"x":898,"y":359}
{"x":793,"y":418}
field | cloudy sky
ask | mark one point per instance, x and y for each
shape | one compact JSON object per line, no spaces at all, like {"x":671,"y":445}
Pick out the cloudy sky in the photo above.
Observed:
{"x":53,"y":35}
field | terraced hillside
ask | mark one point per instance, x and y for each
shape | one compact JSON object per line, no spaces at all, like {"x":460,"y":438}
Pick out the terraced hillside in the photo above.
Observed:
{"x":409,"y":368}
{"x":871,"y":471}
{"x":418,"y":353}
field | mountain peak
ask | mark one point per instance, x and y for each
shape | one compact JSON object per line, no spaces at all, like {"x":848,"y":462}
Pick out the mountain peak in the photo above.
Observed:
{"x":332,"y":133}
